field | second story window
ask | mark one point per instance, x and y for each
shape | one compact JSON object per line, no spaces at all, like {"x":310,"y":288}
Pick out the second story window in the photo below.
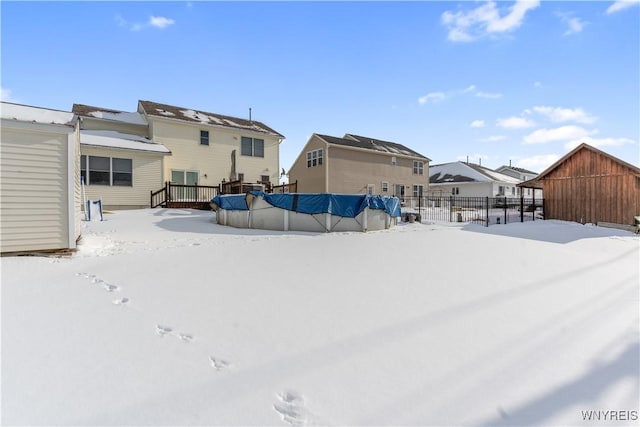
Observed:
{"x":204,"y":137}
{"x":314,"y":158}
{"x":418,"y":167}
{"x":252,"y":147}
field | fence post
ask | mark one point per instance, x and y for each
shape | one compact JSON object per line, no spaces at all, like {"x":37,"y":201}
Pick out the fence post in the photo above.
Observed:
{"x":521,"y":208}
{"x":486,"y":207}
{"x":450,"y":208}
{"x":505,"y":209}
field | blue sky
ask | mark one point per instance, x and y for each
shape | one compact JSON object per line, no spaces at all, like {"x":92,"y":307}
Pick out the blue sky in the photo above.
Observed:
{"x":497,"y":81}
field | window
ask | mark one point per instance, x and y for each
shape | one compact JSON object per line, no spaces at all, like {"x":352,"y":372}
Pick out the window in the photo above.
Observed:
{"x":417,"y":190}
{"x":252,"y":147}
{"x":122,"y":172}
{"x":96,"y":170}
{"x":394,"y":161}
{"x":314,"y":158}
{"x":385,"y":187}
{"x":204,"y":137}
{"x":241,"y":176}
{"x":513,"y":191}
{"x":455,"y":190}
{"x":500,"y":190}
{"x":371,"y":189}
{"x":264,"y":178}
{"x":418,"y":167}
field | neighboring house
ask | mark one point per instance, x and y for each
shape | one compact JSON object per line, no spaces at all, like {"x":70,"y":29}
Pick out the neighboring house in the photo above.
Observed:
{"x":470,"y":180}
{"x":161,"y":142}
{"x":208,"y":148}
{"x":120,"y":164}
{"x":590,"y":186}
{"x":40,"y":201}
{"x":523,"y":175}
{"x":356,"y":164}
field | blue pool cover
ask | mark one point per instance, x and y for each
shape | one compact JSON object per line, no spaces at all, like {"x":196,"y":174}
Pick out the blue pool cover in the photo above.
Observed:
{"x":346,"y":205}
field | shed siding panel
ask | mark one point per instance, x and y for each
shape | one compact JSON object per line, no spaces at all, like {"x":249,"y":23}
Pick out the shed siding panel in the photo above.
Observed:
{"x":33,"y":190}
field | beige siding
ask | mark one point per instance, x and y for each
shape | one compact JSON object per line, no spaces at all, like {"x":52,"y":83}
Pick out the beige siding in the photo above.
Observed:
{"x":34,"y":194}
{"x":122,"y":127}
{"x":147,"y":172}
{"x":350,"y":171}
{"x":213,"y":160}
{"x":313,"y":179}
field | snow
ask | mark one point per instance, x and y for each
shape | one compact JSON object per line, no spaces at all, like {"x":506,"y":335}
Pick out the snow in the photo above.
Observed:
{"x":460,"y":168}
{"x":122,"y":116}
{"x":113,"y":139}
{"x":163,"y":317}
{"x":27,"y":113}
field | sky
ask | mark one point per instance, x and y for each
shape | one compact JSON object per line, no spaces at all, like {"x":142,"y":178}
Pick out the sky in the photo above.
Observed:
{"x":495,"y":82}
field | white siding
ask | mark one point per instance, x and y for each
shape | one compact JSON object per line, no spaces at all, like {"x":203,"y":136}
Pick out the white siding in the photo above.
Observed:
{"x":34,"y":188}
{"x":147,"y":173}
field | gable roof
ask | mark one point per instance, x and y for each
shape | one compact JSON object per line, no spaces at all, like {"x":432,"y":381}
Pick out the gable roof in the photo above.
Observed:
{"x":212,"y":119}
{"x":521,"y":170}
{"x":372,"y":144}
{"x":634,"y":169}
{"x":109,"y":114}
{"x":461,"y":172}
{"x":27,"y":113}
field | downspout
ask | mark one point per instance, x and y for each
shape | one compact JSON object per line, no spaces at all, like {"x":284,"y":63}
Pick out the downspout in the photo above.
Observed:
{"x":326,"y":168}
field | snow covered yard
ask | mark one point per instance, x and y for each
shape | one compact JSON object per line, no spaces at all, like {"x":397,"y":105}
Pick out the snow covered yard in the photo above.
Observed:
{"x":165,"y":318}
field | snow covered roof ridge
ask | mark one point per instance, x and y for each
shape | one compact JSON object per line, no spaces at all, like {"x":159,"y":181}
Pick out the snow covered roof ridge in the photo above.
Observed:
{"x":521,"y":170}
{"x":28,"y":113}
{"x":466,"y":172}
{"x":113,"y":139}
{"x":190,"y":115}
{"x":109,"y":114}
{"x":373,"y":144}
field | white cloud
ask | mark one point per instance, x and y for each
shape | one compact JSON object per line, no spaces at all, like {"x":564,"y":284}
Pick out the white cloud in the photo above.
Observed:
{"x":477,"y":124}
{"x":489,"y":95}
{"x":494,"y":138}
{"x":515,"y":123}
{"x":160,"y":21}
{"x":154,"y":21}
{"x":559,"y":114}
{"x":599,"y":142}
{"x":486,"y":19}
{"x":432,"y":97}
{"x":575,"y":26}
{"x":563,"y":133}
{"x":537,"y":163}
{"x":621,"y":5}
{"x":5,"y":95}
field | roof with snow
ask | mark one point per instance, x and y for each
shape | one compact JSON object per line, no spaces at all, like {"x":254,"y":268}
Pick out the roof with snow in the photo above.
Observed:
{"x":521,"y":170}
{"x":27,"y":113}
{"x":112,"y":139}
{"x":211,"y":119}
{"x":461,"y":172}
{"x":373,"y":144}
{"x":109,"y":114}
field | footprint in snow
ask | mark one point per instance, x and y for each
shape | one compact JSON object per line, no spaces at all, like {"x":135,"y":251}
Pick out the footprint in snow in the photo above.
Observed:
{"x":218,"y":364}
{"x":292,"y":409}
{"x":109,"y":287}
{"x":163,"y":330}
{"x":186,"y":337}
{"x":121,"y":301}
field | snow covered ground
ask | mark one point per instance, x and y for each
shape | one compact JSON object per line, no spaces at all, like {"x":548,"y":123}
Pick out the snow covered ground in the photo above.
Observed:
{"x":165,"y":318}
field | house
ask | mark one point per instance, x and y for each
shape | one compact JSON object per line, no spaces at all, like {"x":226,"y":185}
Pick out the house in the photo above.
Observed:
{"x":470,"y":180}
{"x":523,"y":175}
{"x":161,"y":142}
{"x":356,"y":164}
{"x":590,"y":186}
{"x":40,"y":201}
{"x":120,"y":164}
